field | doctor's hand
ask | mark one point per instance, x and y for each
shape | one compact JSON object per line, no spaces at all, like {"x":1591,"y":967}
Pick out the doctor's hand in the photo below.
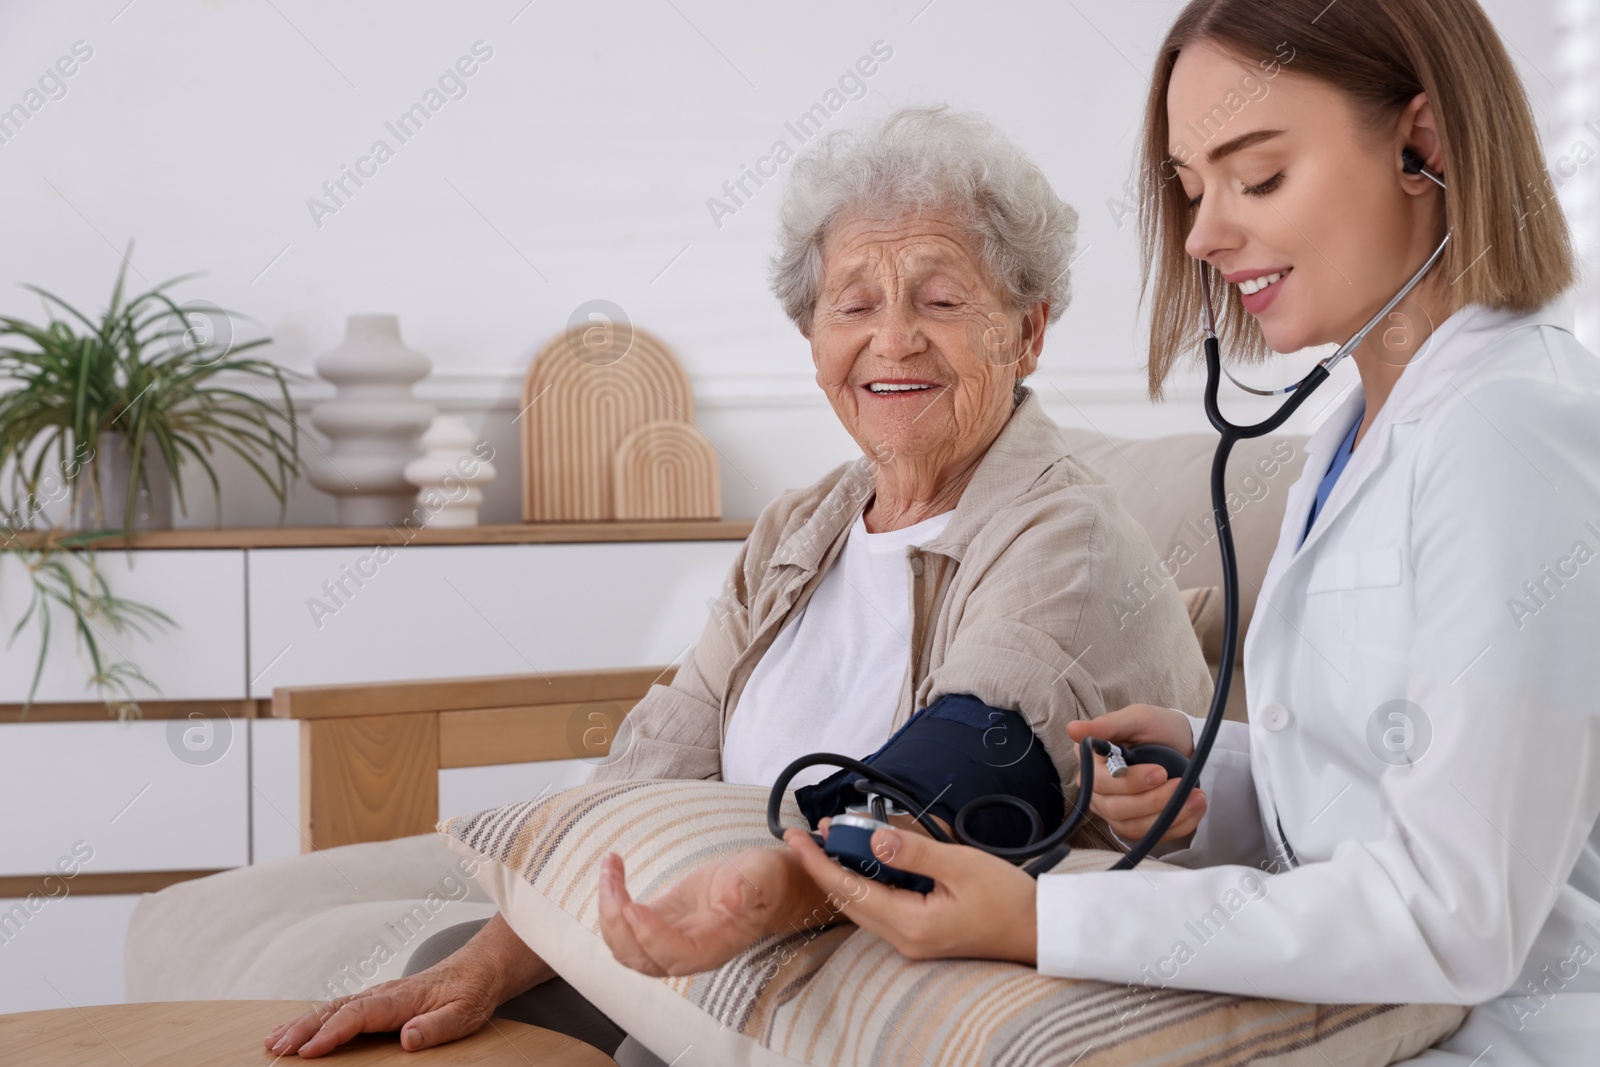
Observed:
{"x":981,"y":907}
{"x":1130,"y":804}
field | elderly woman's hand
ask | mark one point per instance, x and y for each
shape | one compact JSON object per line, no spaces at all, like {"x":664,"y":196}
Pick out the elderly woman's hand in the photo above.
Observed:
{"x":434,"y":1006}
{"x":710,"y":916}
{"x":980,"y":906}
{"x":450,"y":1000}
{"x":716,"y":911}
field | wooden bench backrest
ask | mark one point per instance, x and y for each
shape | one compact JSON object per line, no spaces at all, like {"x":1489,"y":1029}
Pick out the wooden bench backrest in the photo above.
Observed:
{"x":370,"y":755}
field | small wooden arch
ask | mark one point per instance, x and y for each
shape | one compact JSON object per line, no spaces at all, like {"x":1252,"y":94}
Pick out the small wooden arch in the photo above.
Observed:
{"x":586,"y":392}
{"x":666,"y":470}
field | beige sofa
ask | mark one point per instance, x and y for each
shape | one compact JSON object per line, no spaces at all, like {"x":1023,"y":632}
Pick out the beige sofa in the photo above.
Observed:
{"x":342,"y":918}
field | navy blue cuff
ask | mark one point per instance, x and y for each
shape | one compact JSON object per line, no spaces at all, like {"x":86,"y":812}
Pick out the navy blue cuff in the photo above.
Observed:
{"x":951,"y":752}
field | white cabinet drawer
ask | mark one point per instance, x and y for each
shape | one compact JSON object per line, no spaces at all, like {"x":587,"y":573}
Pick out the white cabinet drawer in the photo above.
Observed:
{"x":63,"y":950}
{"x":330,"y":615}
{"x":154,"y":795}
{"x":200,"y":657}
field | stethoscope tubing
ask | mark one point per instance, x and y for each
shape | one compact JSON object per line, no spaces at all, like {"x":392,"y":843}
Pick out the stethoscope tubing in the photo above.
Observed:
{"x":1231,"y":433}
{"x":1045,"y":852}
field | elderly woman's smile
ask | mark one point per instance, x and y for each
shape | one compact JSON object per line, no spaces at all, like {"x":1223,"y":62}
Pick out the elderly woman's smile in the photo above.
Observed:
{"x":919,"y":352}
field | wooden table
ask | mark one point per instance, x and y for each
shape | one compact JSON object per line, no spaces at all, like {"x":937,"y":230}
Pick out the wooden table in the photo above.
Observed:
{"x":226,"y":1033}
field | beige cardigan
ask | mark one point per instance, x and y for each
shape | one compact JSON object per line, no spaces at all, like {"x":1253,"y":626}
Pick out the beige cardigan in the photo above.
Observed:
{"x":1020,"y":601}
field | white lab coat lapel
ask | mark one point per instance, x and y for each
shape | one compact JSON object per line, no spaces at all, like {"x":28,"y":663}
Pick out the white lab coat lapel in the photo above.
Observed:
{"x":1456,"y":339}
{"x":1365,"y":461}
{"x":1424,"y":377}
{"x":1319,"y":449}
{"x":1274,"y":642}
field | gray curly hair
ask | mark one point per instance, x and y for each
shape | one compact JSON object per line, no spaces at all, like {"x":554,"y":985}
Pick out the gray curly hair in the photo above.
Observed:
{"x":927,"y":158}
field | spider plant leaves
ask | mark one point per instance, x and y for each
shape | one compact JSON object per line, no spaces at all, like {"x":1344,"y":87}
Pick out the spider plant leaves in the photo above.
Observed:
{"x":141,"y":371}
{"x":144,"y":369}
{"x":73,"y":582}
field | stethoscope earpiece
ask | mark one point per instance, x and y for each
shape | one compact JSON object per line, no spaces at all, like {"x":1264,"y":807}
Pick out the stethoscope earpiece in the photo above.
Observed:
{"x":1411,"y":162}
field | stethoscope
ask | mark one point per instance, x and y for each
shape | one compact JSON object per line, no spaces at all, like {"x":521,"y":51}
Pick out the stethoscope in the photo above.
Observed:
{"x":849,"y":834}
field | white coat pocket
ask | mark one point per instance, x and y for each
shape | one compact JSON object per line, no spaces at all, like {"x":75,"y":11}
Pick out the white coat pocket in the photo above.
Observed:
{"x":1365,"y":591}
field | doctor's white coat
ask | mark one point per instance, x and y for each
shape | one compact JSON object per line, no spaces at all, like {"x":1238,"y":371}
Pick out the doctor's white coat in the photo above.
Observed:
{"x":1422,"y":762}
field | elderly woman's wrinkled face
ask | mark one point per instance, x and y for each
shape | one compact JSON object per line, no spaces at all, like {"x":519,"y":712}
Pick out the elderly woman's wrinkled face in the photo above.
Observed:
{"x":917,"y":349}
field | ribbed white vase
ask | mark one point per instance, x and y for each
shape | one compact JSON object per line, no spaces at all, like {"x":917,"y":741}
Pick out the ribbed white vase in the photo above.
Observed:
{"x":372,"y":423}
{"x":449,"y":475}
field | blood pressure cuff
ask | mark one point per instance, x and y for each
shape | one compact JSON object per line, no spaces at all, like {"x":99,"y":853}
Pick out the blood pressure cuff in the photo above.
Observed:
{"x":953,"y":751}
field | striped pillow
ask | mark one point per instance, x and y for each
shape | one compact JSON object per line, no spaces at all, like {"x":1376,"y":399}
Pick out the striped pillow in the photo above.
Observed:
{"x":842,"y":996}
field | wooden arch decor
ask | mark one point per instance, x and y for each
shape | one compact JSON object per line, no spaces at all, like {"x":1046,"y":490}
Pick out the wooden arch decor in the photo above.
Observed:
{"x":580,"y":401}
{"x":666,"y":470}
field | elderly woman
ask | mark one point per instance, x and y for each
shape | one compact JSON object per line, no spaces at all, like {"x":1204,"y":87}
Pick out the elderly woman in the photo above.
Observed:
{"x":964,"y":568}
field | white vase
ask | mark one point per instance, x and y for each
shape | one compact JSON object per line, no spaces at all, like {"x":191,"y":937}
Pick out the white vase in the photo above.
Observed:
{"x":372,"y":423}
{"x":449,"y":474}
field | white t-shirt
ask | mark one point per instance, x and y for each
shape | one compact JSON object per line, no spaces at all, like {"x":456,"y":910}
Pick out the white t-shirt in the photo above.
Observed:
{"x":830,"y":682}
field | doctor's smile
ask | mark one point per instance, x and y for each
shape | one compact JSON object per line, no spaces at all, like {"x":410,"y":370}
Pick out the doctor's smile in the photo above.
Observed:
{"x":1258,"y":288}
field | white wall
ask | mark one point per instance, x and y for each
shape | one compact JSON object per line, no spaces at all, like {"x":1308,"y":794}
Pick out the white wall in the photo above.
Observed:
{"x":578,"y":165}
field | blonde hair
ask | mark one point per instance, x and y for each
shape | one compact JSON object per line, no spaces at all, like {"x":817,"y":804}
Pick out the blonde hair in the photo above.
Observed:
{"x":1511,"y":247}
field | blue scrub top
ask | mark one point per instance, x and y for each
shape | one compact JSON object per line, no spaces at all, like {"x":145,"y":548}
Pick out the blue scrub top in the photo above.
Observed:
{"x":1340,"y":458}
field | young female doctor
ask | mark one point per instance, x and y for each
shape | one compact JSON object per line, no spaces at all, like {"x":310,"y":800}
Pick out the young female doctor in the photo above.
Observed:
{"x":1421,"y":769}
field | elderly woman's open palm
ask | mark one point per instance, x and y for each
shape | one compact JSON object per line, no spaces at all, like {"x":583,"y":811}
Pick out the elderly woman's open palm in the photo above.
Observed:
{"x":706,"y":919}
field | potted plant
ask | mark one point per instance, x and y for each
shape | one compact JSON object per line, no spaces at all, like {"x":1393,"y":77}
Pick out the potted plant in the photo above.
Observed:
{"x":103,"y":412}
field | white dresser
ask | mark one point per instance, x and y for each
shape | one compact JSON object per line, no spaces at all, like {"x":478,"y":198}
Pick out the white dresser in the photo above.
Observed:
{"x":208,"y":780}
